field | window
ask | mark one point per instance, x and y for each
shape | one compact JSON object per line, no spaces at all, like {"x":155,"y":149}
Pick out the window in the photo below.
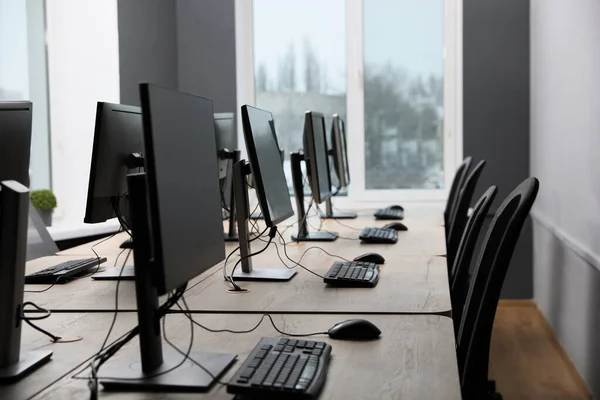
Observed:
{"x":391,"y":68}
{"x":23,"y":75}
{"x":403,"y":92}
{"x":299,"y":64}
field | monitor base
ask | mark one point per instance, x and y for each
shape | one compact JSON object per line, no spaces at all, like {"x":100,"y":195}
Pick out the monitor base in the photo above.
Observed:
{"x":112,"y":274}
{"x":231,"y":238}
{"x":28,"y":361}
{"x":188,"y":377}
{"x":265,"y":274}
{"x":316,"y":237}
{"x":257,"y":215}
{"x":340,"y":215}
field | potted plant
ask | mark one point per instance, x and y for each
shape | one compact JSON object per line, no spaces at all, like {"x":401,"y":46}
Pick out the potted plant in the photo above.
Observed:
{"x":45,"y":202}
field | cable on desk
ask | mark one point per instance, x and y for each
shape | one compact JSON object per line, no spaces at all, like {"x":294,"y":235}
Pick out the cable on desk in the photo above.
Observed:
{"x":45,"y":289}
{"x":116,"y":204}
{"x":272,"y":232}
{"x":255,"y":327}
{"x":337,"y":221}
{"x":116,"y":297}
{"x":324,"y":251}
{"x":186,"y":355}
{"x":296,"y":262}
{"x":228,"y":278}
{"x":44,"y":315}
{"x":102,"y":241}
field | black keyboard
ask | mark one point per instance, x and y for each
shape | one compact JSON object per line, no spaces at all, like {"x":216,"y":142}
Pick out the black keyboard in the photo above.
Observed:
{"x":352,"y":274}
{"x":282,"y":368}
{"x":389,"y":214}
{"x":378,"y":235}
{"x":60,"y":273}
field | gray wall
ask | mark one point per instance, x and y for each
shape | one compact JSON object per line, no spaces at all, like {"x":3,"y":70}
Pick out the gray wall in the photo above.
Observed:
{"x":565,"y":138}
{"x":496,"y":110}
{"x":185,"y":44}
{"x":206,"y":49}
{"x":147,"y":46}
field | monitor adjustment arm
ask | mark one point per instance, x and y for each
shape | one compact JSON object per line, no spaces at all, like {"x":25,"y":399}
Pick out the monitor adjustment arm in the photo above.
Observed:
{"x":303,"y":234}
{"x":241,"y":170}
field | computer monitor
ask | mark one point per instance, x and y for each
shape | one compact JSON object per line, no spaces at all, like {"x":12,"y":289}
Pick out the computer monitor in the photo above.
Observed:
{"x":339,"y":151}
{"x":339,"y":155}
{"x":175,"y":208}
{"x":15,"y":140}
{"x":258,"y":214}
{"x":117,"y":149}
{"x":227,"y":155}
{"x":270,"y":186}
{"x":266,"y":166}
{"x":117,"y":135}
{"x":316,"y":157}
{"x":14,"y":208}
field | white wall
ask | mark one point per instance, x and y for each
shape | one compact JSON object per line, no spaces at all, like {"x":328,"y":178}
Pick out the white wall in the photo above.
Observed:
{"x":83,"y":68}
{"x":565,"y":142}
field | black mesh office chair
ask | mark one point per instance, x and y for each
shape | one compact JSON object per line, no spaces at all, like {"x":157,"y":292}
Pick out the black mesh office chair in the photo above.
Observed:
{"x":461,"y":210}
{"x":475,"y":331}
{"x":459,"y":272}
{"x":457,"y":184}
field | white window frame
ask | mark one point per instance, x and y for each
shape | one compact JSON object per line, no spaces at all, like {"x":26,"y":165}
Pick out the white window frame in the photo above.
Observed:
{"x":453,"y":105}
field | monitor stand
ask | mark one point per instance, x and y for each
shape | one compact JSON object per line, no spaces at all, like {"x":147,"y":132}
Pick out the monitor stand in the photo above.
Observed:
{"x":14,"y":211}
{"x":248,"y":273}
{"x":330,"y":214}
{"x":231,"y":235}
{"x":141,"y":375}
{"x":115,"y":274}
{"x":303,"y":234}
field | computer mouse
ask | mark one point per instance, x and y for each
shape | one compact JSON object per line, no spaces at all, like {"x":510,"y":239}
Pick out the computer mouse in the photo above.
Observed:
{"x":399,"y":226}
{"x":354,"y":329}
{"x":371,"y":257}
{"x":396,"y":207}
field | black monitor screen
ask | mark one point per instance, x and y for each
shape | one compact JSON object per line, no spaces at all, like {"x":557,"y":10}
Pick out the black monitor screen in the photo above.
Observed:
{"x":340,"y":151}
{"x":117,"y":134}
{"x":317,"y":160}
{"x":183,"y":184}
{"x":15,"y":140}
{"x":265,"y":163}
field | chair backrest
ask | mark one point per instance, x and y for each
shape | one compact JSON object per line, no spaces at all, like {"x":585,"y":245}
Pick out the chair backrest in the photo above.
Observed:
{"x":475,"y":329}
{"x":459,"y":272}
{"x":457,"y":225}
{"x":457,"y":184}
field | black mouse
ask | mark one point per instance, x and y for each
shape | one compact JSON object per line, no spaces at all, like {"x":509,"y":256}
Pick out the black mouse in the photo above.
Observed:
{"x":370,"y":257}
{"x":396,"y":207}
{"x":354,"y":329}
{"x":399,"y":226}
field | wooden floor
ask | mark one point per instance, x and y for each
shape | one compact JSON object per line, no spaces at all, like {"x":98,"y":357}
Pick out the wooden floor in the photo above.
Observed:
{"x":526,"y":360}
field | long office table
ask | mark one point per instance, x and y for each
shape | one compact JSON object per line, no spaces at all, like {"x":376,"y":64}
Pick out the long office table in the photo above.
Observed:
{"x":415,"y":357}
{"x":409,"y":283}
